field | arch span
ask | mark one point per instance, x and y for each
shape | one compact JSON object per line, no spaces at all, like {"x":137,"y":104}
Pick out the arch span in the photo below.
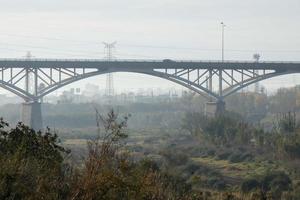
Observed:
{"x":255,"y":80}
{"x":178,"y":80}
{"x":17,"y":91}
{"x":170,"y":77}
{"x":199,"y":80}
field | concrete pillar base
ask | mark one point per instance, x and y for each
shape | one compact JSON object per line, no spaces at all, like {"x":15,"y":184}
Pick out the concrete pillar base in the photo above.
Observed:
{"x":220,"y":107}
{"x":32,"y":115}
{"x":214,"y":108}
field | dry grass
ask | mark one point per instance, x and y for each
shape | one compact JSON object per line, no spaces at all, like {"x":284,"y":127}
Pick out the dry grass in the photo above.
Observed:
{"x":240,"y":170}
{"x":77,"y":142}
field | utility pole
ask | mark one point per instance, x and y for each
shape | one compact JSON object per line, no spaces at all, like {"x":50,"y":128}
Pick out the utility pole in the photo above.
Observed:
{"x":109,"y":90}
{"x":220,"y":70}
{"x":223,"y":27}
{"x":221,"y":104}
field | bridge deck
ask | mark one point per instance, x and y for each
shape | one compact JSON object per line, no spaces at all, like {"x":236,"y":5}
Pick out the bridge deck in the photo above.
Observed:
{"x":146,"y":64}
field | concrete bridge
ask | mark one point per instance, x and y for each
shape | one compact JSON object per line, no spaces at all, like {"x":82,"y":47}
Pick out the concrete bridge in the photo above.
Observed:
{"x":214,"y":79}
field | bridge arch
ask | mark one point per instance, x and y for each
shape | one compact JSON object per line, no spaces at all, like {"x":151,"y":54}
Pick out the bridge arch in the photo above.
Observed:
{"x":252,"y":81}
{"x":178,"y":80}
{"x":199,"y":76}
{"x":16,"y":90}
{"x":175,"y":79}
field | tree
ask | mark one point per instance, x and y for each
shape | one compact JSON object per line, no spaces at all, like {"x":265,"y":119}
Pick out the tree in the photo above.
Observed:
{"x":110,"y":173}
{"x":31,"y":164}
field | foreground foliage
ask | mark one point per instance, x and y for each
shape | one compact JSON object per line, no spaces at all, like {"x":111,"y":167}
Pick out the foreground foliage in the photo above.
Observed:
{"x":31,"y":164}
{"x":110,"y":172}
{"x":34,"y":165}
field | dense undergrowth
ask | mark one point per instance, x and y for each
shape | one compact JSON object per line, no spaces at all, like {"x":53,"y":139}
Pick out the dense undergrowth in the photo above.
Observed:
{"x":221,"y":158}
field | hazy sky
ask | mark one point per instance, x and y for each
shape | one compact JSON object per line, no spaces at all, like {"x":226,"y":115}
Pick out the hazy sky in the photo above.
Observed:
{"x":158,"y":29}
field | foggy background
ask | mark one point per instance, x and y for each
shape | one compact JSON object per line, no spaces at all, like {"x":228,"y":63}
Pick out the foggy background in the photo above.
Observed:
{"x":156,"y":29}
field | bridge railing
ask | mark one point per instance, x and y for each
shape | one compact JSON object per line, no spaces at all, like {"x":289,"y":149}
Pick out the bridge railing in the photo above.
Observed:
{"x":139,"y":60}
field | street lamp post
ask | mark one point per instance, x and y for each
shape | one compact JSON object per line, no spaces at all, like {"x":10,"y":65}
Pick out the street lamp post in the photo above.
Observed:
{"x":223,"y":26}
{"x":220,"y":70}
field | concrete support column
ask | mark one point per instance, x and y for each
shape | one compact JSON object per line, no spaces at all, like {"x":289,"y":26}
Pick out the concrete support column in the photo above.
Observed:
{"x":220,"y":83}
{"x":220,"y":109}
{"x":32,"y":115}
{"x":210,"y":83}
{"x":213,"y":109}
{"x":35,"y":81}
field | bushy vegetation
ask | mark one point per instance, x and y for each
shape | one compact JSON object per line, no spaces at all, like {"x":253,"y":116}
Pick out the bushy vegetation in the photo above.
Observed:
{"x":171,"y":151}
{"x":33,"y":166}
{"x":110,"y":173}
{"x":228,"y":137}
{"x":274,"y":182}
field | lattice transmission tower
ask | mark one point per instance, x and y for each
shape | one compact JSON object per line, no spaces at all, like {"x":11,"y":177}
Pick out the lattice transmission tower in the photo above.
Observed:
{"x":108,"y":49}
{"x":28,"y":78}
{"x":256,"y":58}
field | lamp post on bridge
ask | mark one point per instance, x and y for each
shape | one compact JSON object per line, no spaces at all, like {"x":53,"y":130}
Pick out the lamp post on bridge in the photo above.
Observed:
{"x":223,"y":28}
{"x":217,"y":107}
{"x":220,"y":70}
{"x":221,"y":103}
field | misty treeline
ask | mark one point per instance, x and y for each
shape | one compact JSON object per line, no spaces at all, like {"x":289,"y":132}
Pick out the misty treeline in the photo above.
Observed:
{"x":254,"y":107}
{"x":190,"y":156}
{"x":34,"y":165}
{"x":229,"y":137}
{"x":230,"y":130}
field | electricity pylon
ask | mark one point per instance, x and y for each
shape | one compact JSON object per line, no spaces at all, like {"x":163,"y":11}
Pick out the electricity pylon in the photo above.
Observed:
{"x":256,"y":57}
{"x":28,"y":77}
{"x":109,"y":90}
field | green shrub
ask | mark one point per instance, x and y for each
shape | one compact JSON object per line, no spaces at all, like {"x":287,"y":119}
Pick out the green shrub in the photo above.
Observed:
{"x":223,"y":155}
{"x":192,"y":167}
{"x":211,"y":152}
{"x":276,"y":182}
{"x":147,"y":164}
{"x":293,"y":150}
{"x":250,"y":185}
{"x":175,"y":157}
{"x":240,"y":157}
{"x":216,"y":183}
{"x":31,"y":164}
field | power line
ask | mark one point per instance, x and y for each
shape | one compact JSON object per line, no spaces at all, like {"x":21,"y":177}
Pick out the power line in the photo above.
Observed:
{"x":51,"y":52}
{"x":154,"y":46}
{"x":48,"y":38}
{"x":66,"y":53}
{"x":199,"y":49}
{"x":45,"y":48}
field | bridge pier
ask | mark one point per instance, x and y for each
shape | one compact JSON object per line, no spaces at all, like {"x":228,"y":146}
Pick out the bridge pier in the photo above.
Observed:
{"x":213,"y":108}
{"x":32,"y":115}
{"x":220,"y":107}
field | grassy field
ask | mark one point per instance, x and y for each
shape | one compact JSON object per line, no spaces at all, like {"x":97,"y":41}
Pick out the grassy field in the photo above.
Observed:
{"x":237,"y":172}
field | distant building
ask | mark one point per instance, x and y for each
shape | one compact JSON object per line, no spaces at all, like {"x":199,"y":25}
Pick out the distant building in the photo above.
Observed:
{"x":91,"y":90}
